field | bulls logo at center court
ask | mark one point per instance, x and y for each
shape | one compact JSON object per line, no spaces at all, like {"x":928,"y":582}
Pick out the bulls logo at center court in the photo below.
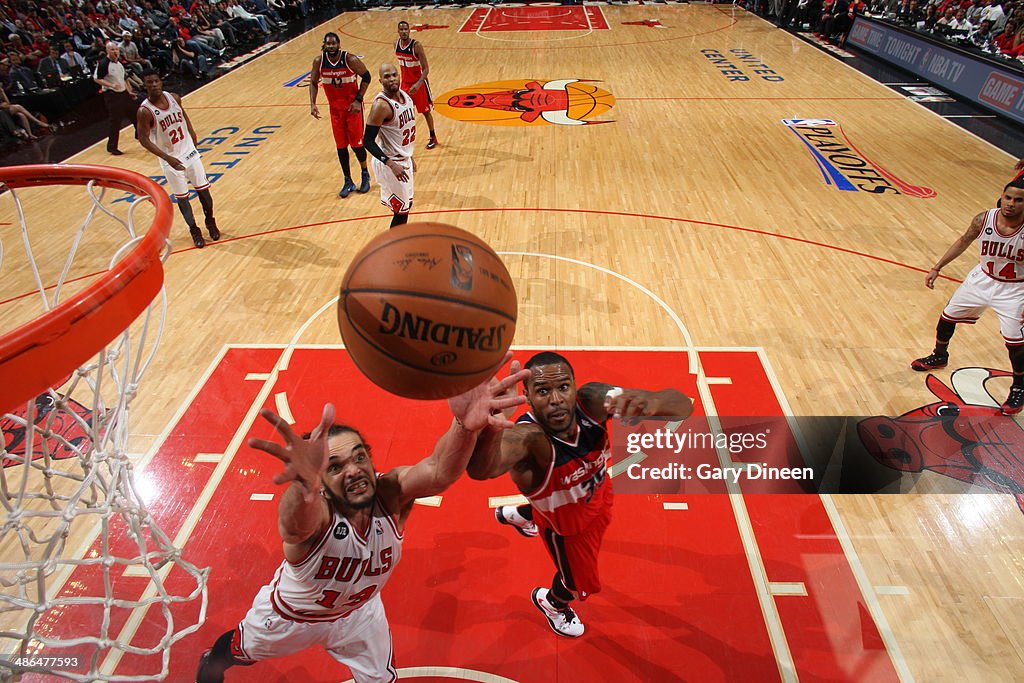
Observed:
{"x":564,"y":102}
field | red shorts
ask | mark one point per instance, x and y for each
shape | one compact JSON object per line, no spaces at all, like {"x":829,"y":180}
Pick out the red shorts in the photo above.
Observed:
{"x":575,"y":556}
{"x":422,"y":99}
{"x":348,"y":127}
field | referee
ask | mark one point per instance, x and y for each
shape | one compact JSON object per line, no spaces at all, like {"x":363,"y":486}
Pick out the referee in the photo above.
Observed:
{"x":117,"y":95}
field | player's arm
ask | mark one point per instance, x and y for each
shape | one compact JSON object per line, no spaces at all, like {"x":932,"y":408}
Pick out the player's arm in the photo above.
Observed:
{"x":380,"y":113}
{"x":188,"y":121}
{"x":358,"y":67}
{"x":145,"y":123}
{"x":474,"y":411}
{"x":955,"y":249}
{"x":303,"y":513}
{"x":421,"y":55}
{"x":496,"y":453}
{"x":603,"y":401}
{"x":314,"y":86}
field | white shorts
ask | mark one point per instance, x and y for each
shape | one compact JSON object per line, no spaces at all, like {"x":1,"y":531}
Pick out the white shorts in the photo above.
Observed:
{"x":360,"y":641}
{"x":394,"y":194}
{"x":978,"y":292}
{"x":177,"y":181}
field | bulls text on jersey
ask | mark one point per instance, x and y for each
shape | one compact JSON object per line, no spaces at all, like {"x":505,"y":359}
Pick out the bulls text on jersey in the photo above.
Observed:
{"x":170,"y":119}
{"x":1000,"y":254}
{"x":349,"y":569}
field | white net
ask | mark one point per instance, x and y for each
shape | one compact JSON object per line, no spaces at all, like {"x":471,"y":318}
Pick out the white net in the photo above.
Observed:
{"x":87,"y":576}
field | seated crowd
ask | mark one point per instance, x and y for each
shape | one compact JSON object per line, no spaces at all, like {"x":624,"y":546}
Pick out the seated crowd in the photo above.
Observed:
{"x":993,"y":26}
{"x":55,"y":45}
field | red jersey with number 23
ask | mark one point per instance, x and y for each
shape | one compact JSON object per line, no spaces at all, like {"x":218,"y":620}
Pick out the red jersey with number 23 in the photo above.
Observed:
{"x":576,"y":489}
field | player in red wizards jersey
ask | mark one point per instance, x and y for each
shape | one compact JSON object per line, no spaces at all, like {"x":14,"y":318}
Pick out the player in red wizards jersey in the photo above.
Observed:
{"x":557,"y":454}
{"x":412,"y":60}
{"x":345,"y":79}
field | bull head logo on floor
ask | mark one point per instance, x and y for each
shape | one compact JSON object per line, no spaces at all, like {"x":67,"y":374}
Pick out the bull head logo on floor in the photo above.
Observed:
{"x":962,"y":436}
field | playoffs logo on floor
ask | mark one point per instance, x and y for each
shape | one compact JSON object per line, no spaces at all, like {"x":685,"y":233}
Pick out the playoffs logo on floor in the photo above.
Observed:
{"x":843,"y":166}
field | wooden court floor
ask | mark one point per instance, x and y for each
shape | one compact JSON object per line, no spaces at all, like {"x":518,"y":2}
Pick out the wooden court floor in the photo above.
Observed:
{"x":686,"y":233}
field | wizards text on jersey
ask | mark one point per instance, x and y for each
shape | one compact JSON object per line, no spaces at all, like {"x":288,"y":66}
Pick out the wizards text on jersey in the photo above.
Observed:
{"x":843,"y":166}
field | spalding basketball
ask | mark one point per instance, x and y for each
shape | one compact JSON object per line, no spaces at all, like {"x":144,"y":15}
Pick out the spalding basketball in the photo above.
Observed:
{"x":427,"y":310}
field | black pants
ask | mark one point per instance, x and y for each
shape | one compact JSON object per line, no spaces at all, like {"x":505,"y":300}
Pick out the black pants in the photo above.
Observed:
{"x":120,"y":106}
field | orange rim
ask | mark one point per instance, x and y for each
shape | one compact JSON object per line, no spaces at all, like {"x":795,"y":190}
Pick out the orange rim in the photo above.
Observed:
{"x":42,"y":351}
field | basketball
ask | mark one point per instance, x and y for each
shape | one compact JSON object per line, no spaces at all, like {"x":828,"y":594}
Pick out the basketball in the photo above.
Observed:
{"x":427,"y":311}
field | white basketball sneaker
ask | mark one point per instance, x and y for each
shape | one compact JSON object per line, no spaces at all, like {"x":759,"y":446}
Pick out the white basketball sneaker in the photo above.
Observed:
{"x":564,"y":622}
{"x":507,"y":514}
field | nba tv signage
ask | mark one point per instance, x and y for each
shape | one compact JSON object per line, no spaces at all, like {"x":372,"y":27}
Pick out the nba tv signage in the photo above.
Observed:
{"x":984,"y":82}
{"x":843,"y":166}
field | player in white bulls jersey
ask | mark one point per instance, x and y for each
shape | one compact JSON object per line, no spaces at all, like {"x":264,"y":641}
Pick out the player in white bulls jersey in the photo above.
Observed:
{"x":166,"y":131}
{"x":342,"y":526}
{"x":393,"y":116}
{"x":557,"y":455}
{"x":997,"y":282}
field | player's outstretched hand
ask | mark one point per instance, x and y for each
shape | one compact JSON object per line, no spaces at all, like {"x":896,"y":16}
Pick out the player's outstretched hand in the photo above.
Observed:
{"x":627,"y":403}
{"x":484,"y":404}
{"x":1019,"y":165}
{"x":305,"y":459}
{"x":314,"y":111}
{"x":930,"y":278}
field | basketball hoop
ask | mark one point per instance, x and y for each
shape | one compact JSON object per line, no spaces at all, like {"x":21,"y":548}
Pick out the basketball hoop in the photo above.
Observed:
{"x":67,"y":378}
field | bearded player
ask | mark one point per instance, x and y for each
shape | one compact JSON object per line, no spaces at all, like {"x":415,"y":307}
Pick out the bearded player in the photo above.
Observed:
{"x":345,"y":79}
{"x":342,"y":525}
